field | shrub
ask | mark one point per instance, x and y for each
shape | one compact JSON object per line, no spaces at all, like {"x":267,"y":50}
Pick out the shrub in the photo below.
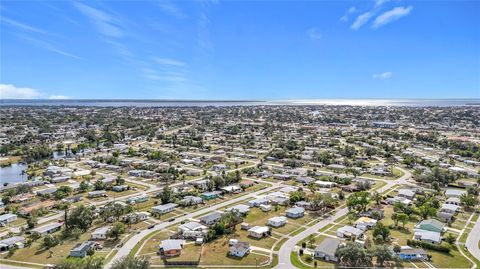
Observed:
{"x":416,"y":243}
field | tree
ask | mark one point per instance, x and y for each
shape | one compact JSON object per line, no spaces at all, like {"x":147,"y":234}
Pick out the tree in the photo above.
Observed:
{"x":377,"y":197}
{"x":403,"y":218}
{"x":381,"y":231}
{"x":382,"y":254}
{"x":131,"y":262}
{"x":81,"y":217}
{"x":89,"y":262}
{"x":166,"y":195}
{"x":32,"y":220}
{"x":426,"y":211}
{"x":50,"y":241}
{"x":117,"y":230}
{"x":353,"y":255}
{"x":358,"y":201}
{"x":120,"y":180}
{"x":468,"y":200}
{"x":297,"y":196}
{"x":84,"y":186}
{"x":99,"y":185}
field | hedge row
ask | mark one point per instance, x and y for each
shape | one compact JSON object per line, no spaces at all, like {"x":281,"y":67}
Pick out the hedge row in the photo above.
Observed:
{"x":416,"y":243}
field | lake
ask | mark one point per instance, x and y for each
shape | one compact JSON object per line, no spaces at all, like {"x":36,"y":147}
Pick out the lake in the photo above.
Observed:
{"x":12,"y":174}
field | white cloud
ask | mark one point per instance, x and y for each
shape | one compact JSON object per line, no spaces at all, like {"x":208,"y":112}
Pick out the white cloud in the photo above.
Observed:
{"x":50,"y":47}
{"x":105,"y":23}
{"x":361,"y":20}
{"x":58,"y":97}
{"x":345,"y":17}
{"x":391,"y":15}
{"x":9,"y":91}
{"x":168,"y":61}
{"x":380,"y":2}
{"x":169,"y":8}
{"x":382,"y":76}
{"x":23,"y":26}
{"x":314,"y":34}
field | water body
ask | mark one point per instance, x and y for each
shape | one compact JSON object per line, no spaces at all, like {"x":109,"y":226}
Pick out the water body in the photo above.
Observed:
{"x":207,"y":103}
{"x":13,"y":173}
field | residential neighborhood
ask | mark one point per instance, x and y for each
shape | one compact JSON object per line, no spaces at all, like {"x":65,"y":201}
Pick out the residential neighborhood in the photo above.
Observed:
{"x":240,"y":186}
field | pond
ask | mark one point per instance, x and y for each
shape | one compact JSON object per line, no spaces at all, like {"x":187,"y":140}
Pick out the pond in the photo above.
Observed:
{"x":13,"y":173}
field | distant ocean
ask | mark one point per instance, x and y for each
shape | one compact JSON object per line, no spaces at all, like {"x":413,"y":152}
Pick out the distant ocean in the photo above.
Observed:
{"x":221,"y":103}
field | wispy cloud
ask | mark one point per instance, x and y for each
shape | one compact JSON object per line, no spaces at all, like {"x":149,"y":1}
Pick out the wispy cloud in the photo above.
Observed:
{"x":382,"y":76}
{"x":47,"y":46}
{"x":391,"y":15}
{"x":23,"y":26}
{"x":105,"y":23}
{"x":170,"y":8}
{"x":9,"y":91}
{"x":378,"y":3}
{"x":361,"y":20}
{"x":168,"y":61}
{"x":58,"y":97}
{"x":314,"y":34}
{"x":350,"y":11}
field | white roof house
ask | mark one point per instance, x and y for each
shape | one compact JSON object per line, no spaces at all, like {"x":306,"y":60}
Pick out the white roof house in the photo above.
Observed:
{"x":277,"y":221}
{"x":259,"y":231}
{"x":349,"y":231}
{"x":101,"y":233}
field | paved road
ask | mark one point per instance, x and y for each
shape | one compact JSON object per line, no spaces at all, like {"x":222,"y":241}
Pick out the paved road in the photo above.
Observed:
{"x":284,"y":252}
{"x":130,"y":244}
{"x":473,"y":239}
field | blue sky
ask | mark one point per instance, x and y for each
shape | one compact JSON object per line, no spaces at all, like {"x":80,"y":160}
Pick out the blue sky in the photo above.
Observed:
{"x":240,"y":49}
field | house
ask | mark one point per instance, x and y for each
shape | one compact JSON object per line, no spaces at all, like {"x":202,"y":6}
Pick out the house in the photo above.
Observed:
{"x":135,"y":217}
{"x":259,"y":231}
{"x":365,"y":223}
{"x":120,"y":188}
{"x":406,"y":193}
{"x":101,"y":233}
{"x":349,"y":232}
{"x":171,"y":247}
{"x":231,"y":189}
{"x":138,"y":199}
{"x":288,"y":189}
{"x":163,"y":209}
{"x":430,"y":225}
{"x":27,"y":209}
{"x":190,"y":200}
{"x":282,"y":176}
{"x":7,"y":218}
{"x":457,"y":193}
{"x":336,"y":167}
{"x":411,"y":254}
{"x":265,"y":208}
{"x":210,"y":218}
{"x":325,"y":184}
{"x":219,"y":167}
{"x":445,"y":216}
{"x":277,"y":221}
{"x":453,"y":201}
{"x":82,"y":249}
{"x":211,"y":195}
{"x":279,"y":200}
{"x":399,"y":199}
{"x":239,"y":249}
{"x":327,"y":248}
{"x":305,"y":180}
{"x":428,"y":236}
{"x":48,"y":228}
{"x":192,"y":230}
{"x":295,"y":212}
{"x":257,"y":202}
{"x":95,"y":194}
{"x":240,"y":209}
{"x":449,"y":208}
{"x":12,"y":242}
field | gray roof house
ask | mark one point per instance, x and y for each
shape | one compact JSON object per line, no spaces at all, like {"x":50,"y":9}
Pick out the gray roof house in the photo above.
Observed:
{"x":326,"y":249}
{"x":82,"y":249}
{"x":295,"y":212}
{"x":210,"y":218}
